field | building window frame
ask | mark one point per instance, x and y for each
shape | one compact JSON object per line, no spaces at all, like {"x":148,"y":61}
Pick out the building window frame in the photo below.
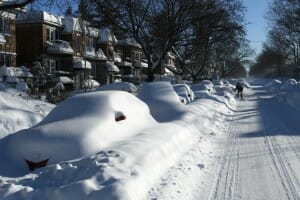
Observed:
{"x":5,"y":59}
{"x":137,"y":56}
{"x":51,"y":65}
{"x":52,"y":34}
{"x":5,"y":25}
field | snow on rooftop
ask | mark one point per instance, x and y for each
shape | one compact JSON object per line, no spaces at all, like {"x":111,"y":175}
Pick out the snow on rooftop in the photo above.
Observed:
{"x":106,"y":35}
{"x":63,"y":79}
{"x":6,"y":14}
{"x":100,"y":55}
{"x":33,"y":16}
{"x":89,"y":52}
{"x":91,"y":83}
{"x":82,"y":64}
{"x":91,"y":31}
{"x":141,"y":64}
{"x":111,"y":67}
{"x":129,"y":42}
{"x":70,"y":25}
{"x":59,"y":46}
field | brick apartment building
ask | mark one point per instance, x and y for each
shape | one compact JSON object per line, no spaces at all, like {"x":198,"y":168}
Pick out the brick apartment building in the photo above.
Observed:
{"x":66,"y":46}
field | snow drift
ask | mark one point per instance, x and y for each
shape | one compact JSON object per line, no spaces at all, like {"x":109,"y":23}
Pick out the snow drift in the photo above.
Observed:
{"x":78,"y":127}
{"x":101,"y":158}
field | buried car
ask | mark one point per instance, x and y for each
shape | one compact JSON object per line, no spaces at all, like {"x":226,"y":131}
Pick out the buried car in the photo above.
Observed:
{"x":123,"y":86}
{"x":203,"y":88}
{"x":79,"y":126}
{"x":184,"y":91}
{"x":163,"y":101}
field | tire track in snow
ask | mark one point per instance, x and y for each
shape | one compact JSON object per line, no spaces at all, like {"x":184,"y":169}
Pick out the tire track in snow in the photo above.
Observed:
{"x":284,"y":170}
{"x":281,"y":168}
{"x":193,"y":169}
{"x":224,"y":187}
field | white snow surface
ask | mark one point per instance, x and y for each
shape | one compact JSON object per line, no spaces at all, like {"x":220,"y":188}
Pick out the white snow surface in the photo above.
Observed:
{"x":163,"y":149}
{"x":122,"y":86}
{"x":18,"y":111}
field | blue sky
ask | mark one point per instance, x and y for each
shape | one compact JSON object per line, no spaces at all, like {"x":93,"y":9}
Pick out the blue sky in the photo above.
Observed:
{"x":257,"y":25}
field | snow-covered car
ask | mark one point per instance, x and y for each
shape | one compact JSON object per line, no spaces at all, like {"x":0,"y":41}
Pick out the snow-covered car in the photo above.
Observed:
{"x":123,"y":86}
{"x":289,"y":84}
{"x":274,"y":85}
{"x":79,"y":126}
{"x":164,"y":103}
{"x":184,"y":91}
{"x":203,"y":88}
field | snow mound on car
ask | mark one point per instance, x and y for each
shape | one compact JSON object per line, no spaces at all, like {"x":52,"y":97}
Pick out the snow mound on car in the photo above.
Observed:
{"x":163,"y":101}
{"x":79,"y":126}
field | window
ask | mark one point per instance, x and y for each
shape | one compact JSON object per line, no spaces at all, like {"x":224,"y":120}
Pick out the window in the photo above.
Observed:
{"x":78,"y":44}
{"x":4,"y":25}
{"x":94,"y":70}
{"x":91,"y":44}
{"x":5,"y":60}
{"x":137,"y":56}
{"x":50,"y":66}
{"x":52,"y":34}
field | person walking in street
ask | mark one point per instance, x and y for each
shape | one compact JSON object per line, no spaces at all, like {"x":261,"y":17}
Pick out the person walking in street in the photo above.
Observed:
{"x":239,"y":88}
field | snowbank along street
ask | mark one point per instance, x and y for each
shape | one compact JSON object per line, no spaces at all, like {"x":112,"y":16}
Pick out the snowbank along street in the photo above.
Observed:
{"x":216,"y":147}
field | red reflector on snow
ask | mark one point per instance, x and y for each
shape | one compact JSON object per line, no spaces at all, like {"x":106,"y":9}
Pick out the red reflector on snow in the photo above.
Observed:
{"x":120,"y":118}
{"x":34,"y":165}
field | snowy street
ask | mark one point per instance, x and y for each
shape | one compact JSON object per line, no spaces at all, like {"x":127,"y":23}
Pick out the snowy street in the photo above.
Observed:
{"x":261,"y":156}
{"x":216,"y":147}
{"x":150,"y":100}
{"x":258,"y":157}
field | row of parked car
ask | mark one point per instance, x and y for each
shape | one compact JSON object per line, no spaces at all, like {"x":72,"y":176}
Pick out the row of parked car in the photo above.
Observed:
{"x":186,"y":93}
{"x":88,"y":122}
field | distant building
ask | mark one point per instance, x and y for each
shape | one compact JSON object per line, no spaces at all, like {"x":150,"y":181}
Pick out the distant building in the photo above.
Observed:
{"x":132,"y":66}
{"x":60,"y":44}
{"x":7,"y":39}
{"x":66,"y":44}
{"x":167,"y":70}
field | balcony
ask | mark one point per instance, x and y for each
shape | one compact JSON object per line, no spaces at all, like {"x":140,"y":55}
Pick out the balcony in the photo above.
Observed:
{"x":59,"y":47}
{"x":89,"y":52}
{"x":80,"y":64}
{"x":2,"y":39}
{"x":93,"y":54}
{"x":139,"y":64}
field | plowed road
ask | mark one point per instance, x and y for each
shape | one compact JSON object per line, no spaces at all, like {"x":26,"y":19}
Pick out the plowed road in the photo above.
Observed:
{"x":257,"y":159}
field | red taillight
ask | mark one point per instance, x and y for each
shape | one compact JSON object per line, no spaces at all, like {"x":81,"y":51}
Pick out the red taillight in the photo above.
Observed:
{"x":120,"y":118}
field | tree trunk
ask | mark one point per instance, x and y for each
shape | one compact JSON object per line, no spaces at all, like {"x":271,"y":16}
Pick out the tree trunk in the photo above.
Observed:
{"x":150,"y":74}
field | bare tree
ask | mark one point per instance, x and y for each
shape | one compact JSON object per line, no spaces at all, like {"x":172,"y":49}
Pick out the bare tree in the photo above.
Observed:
{"x":217,"y":32}
{"x":284,"y":19}
{"x":157,"y":25}
{"x":5,"y":5}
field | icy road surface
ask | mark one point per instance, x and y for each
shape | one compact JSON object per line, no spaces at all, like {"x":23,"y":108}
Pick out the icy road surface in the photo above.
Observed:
{"x":255,"y":155}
